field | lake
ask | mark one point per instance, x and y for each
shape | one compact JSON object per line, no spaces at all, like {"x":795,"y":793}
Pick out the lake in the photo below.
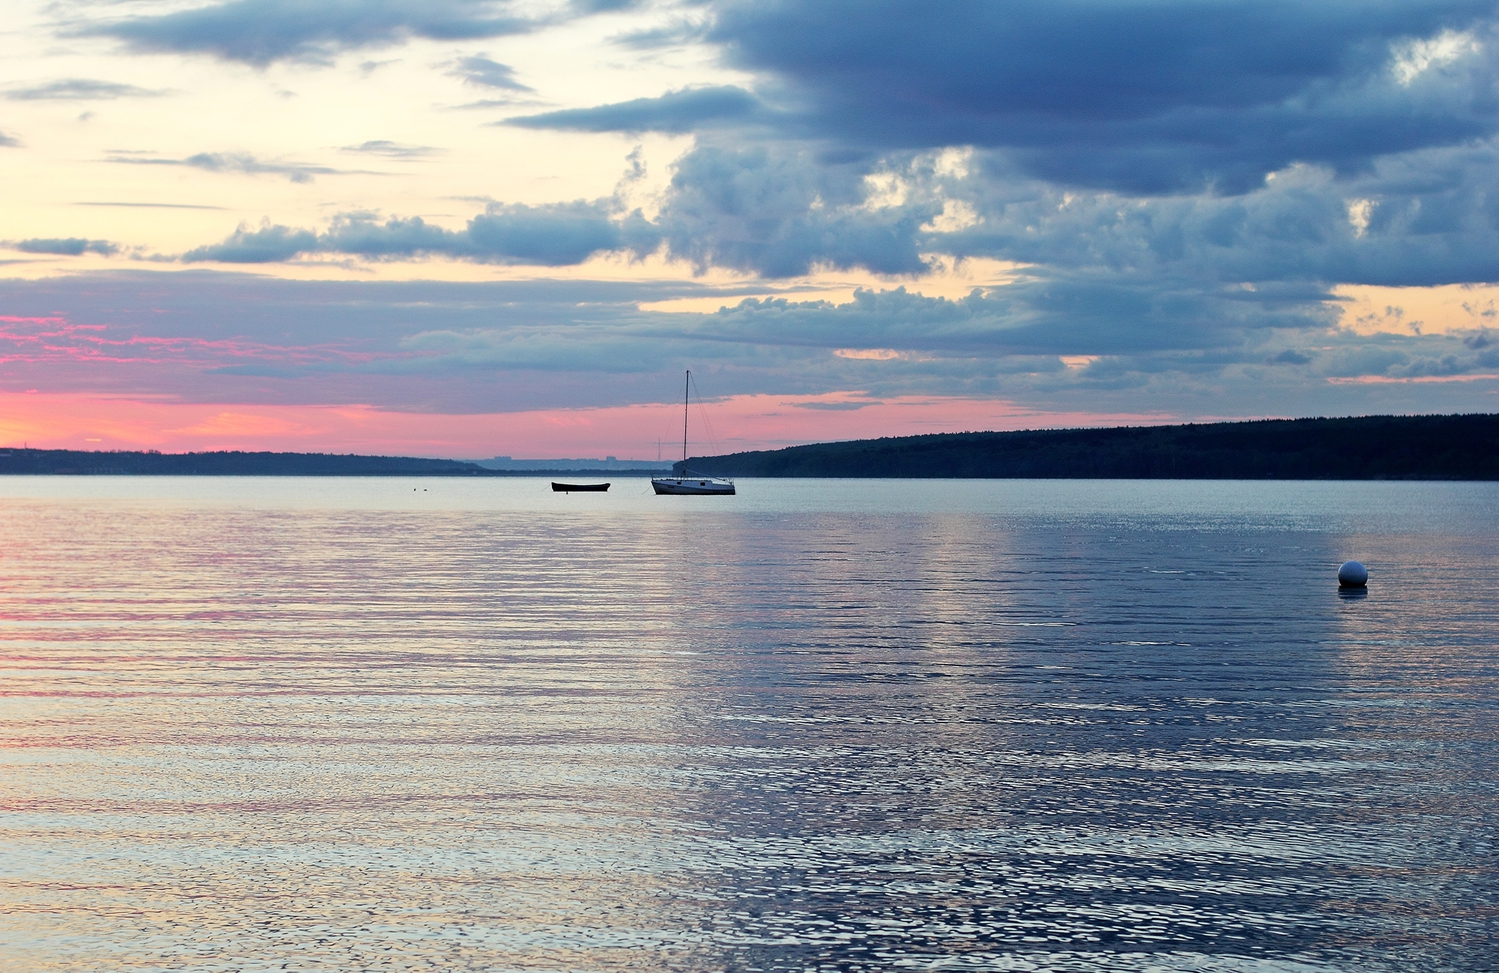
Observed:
{"x":401,"y":724}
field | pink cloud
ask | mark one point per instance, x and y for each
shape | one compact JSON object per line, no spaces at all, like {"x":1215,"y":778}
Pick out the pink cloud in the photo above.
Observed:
{"x":82,"y":421}
{"x":35,"y":340}
{"x":1410,"y":380}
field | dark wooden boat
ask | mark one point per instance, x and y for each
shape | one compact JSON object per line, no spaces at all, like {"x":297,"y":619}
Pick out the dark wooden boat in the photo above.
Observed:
{"x":579,"y":487}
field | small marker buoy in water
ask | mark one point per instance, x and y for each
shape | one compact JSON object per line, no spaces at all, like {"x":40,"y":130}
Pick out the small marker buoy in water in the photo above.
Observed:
{"x":1352,"y":575}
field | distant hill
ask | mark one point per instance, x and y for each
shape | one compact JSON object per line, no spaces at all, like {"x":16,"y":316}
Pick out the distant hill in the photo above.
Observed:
{"x":80,"y":462}
{"x":1459,"y":447}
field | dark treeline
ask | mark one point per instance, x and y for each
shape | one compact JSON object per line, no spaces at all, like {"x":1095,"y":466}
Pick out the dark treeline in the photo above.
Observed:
{"x":71,"y":461}
{"x":1464,"y":447}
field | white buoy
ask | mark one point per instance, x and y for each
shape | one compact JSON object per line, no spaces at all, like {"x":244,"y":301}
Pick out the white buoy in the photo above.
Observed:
{"x":1352,"y":575}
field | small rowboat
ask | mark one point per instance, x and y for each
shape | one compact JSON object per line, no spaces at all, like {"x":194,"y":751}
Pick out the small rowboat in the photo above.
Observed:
{"x":579,"y":487}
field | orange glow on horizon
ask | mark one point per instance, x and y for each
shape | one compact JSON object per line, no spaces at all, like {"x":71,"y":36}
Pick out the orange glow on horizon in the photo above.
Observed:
{"x":745,"y":422}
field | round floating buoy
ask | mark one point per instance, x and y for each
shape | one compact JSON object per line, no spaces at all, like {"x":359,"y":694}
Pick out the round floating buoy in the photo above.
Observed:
{"x":1352,"y":575}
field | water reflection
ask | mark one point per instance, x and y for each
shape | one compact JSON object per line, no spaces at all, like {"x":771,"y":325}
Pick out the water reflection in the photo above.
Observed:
{"x":778,"y":739}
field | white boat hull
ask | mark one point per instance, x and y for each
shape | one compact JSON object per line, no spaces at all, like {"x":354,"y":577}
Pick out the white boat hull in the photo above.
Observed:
{"x":692,"y":486}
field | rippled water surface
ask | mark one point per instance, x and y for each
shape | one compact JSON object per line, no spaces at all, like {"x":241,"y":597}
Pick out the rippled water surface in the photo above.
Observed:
{"x":330,"y":724}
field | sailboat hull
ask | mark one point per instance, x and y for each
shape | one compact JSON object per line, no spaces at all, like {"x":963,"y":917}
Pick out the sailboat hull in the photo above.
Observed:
{"x":685,"y":486}
{"x":688,"y":485}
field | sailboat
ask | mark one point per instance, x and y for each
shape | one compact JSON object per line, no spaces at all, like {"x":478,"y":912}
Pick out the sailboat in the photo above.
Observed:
{"x":689,"y":483}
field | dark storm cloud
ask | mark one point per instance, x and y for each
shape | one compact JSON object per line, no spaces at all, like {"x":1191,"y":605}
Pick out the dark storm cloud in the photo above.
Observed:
{"x":560,"y":234}
{"x":675,"y":111}
{"x":1414,"y":219}
{"x":80,"y":89}
{"x":259,"y":32}
{"x":1231,"y":140}
{"x":67,"y":246}
{"x":1131,"y":95}
{"x":778,"y":214}
{"x":1418,"y":219}
{"x":485,"y":73}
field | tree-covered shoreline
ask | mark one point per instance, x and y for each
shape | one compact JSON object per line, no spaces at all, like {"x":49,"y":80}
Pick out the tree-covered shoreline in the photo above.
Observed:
{"x":1455,"y":447}
{"x":75,"y":462}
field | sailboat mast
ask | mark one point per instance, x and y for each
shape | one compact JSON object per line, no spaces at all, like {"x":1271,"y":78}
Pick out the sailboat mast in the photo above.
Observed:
{"x":685,"y":389}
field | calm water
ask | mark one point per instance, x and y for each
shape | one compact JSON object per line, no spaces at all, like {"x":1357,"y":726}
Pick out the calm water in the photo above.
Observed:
{"x":824,"y":725}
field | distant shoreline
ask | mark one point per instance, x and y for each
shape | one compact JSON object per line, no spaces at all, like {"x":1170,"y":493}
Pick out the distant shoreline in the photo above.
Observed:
{"x":71,"y":462}
{"x":1454,"y":447}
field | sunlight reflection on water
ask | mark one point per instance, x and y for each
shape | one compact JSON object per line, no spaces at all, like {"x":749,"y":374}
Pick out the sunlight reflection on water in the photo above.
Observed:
{"x":402,"y":724}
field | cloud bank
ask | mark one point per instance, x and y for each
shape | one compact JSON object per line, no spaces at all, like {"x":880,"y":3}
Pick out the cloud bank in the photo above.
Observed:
{"x":1216,"y":142}
{"x":550,"y":236}
{"x":1130,"y":96}
{"x":67,"y":246}
{"x":1184,"y":186}
{"x":444,"y":347}
{"x":260,"y":32}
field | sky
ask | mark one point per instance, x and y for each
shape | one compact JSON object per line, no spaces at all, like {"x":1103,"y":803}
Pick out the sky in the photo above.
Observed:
{"x":470,"y":228}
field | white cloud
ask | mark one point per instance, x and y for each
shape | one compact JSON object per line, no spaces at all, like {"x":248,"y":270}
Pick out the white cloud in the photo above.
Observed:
{"x":885,"y":190}
{"x":1359,"y":211}
{"x":1414,"y":58}
{"x":956,"y":215}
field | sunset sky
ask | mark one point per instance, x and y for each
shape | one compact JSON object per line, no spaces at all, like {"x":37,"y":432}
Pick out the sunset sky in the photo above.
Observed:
{"x":474,"y":227}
